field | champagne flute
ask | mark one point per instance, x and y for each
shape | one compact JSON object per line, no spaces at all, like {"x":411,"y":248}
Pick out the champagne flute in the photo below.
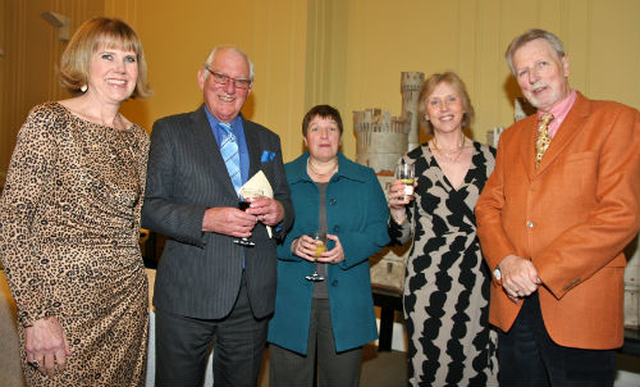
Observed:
{"x":243,"y":204}
{"x":321,"y":246}
{"x":406,"y":173}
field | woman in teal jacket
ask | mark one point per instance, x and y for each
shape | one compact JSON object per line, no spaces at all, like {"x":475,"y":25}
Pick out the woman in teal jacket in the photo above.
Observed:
{"x":334,"y":316}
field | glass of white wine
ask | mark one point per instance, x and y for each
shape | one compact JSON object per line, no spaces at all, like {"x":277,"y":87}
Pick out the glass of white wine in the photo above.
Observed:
{"x":406,"y":173}
{"x":321,"y":246}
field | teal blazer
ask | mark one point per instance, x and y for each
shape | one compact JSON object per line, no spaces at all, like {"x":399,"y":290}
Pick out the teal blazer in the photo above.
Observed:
{"x":357,"y":213}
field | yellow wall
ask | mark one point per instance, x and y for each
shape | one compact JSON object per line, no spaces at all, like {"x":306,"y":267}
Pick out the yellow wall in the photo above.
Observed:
{"x":383,"y":38}
{"x":31,"y":55}
{"x":348,"y":53}
{"x":178,"y":39}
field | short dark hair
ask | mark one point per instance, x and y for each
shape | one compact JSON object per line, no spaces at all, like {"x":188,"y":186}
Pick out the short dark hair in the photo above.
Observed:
{"x":322,"y":111}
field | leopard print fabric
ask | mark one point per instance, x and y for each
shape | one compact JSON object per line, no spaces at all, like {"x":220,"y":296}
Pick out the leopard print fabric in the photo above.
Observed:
{"x":69,"y":229}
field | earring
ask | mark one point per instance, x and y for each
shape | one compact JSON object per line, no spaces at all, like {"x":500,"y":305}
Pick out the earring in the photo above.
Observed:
{"x":83,"y":88}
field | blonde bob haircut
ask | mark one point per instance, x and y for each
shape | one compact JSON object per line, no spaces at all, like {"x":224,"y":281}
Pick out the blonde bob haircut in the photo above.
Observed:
{"x":92,"y":35}
{"x":454,"y":81}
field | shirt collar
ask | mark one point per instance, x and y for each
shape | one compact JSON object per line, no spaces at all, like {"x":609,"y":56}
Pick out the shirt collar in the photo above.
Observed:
{"x":561,"y":109}
{"x":560,"y":112}
{"x":213,"y":121}
{"x":346,"y":169}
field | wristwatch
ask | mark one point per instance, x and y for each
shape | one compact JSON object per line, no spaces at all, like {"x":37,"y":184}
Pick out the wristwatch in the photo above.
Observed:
{"x":497,"y":273}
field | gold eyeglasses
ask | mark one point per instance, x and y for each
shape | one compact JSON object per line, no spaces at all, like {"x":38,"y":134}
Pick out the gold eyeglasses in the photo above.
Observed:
{"x":222,"y":79}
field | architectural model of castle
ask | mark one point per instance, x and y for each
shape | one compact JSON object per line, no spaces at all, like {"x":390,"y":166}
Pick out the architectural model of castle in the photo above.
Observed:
{"x":382,"y":139}
{"x":380,"y":142}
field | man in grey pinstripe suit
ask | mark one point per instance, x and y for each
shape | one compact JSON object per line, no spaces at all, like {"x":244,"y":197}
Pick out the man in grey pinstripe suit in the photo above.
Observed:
{"x":210,"y":290}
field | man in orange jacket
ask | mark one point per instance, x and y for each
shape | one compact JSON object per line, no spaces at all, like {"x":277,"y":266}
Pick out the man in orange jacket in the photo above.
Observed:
{"x":553,"y":219}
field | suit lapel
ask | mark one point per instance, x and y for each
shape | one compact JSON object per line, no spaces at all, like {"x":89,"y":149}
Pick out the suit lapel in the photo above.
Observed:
{"x":209,"y":146}
{"x":570,"y":127}
{"x":527,"y":146}
{"x":253,"y":147}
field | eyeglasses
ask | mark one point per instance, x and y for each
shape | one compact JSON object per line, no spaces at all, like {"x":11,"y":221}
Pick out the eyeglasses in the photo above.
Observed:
{"x":222,"y":79}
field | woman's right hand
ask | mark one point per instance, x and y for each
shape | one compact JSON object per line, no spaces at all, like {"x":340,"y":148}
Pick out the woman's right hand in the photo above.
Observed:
{"x":398,"y":199}
{"x":46,"y":345}
{"x":304,"y":247}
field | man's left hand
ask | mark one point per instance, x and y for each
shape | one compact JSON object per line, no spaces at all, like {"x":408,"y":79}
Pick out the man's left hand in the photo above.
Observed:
{"x":519,"y":276}
{"x":269,"y":211}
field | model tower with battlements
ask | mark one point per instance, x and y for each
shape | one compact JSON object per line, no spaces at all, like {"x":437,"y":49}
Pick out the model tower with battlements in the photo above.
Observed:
{"x":382,"y":139}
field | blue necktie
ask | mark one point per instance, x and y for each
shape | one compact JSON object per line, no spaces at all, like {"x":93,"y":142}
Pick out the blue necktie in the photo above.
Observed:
{"x":230,"y":155}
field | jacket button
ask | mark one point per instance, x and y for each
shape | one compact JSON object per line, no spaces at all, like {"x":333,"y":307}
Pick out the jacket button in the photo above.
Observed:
{"x":529,"y":224}
{"x":336,"y":228}
{"x":334,"y":283}
{"x":333,"y":202}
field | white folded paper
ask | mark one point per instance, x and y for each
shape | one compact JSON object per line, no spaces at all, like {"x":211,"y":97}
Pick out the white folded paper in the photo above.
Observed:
{"x":259,"y":182}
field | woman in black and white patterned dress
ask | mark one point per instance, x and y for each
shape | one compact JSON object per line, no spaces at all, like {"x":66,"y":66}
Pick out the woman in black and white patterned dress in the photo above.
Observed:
{"x":446,"y":289}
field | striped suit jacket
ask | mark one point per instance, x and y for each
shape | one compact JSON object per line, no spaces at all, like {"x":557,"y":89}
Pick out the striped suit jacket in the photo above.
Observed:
{"x":199,"y":272}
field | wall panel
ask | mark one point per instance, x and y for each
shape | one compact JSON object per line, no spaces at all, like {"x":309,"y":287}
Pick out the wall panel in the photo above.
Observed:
{"x":177,"y":41}
{"x":614,"y":52}
{"x":278,"y":51}
{"x":30,"y":63}
{"x":468,"y":36}
{"x":348,"y":53}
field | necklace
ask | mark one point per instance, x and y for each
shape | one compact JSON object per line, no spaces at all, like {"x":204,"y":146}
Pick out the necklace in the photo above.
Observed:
{"x":450,"y":155}
{"x":329,"y":172}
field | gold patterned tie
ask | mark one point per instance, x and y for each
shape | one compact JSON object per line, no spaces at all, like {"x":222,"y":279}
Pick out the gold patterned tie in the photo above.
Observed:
{"x":544,"y":139}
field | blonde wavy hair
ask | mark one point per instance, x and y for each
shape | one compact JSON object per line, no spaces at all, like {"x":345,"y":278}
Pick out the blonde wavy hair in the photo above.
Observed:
{"x":93,"y":34}
{"x":454,"y":81}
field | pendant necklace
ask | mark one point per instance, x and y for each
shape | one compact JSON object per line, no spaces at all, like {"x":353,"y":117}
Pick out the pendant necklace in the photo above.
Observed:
{"x":450,"y":155}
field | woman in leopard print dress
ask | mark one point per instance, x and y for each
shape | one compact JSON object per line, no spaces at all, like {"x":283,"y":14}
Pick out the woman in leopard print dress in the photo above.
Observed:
{"x":70,"y":218}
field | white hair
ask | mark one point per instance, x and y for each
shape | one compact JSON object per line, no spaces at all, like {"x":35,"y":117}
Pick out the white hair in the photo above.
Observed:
{"x":238,"y":51}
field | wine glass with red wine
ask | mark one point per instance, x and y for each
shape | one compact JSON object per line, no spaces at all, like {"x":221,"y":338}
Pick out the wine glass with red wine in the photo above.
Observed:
{"x":243,"y":204}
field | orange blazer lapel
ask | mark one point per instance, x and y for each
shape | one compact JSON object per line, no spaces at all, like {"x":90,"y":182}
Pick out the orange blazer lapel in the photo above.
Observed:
{"x":527,"y":145}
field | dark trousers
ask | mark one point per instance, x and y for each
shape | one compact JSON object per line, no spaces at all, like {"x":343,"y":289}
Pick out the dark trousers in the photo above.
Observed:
{"x":288,"y":368}
{"x":528,"y":357}
{"x":183,"y":343}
